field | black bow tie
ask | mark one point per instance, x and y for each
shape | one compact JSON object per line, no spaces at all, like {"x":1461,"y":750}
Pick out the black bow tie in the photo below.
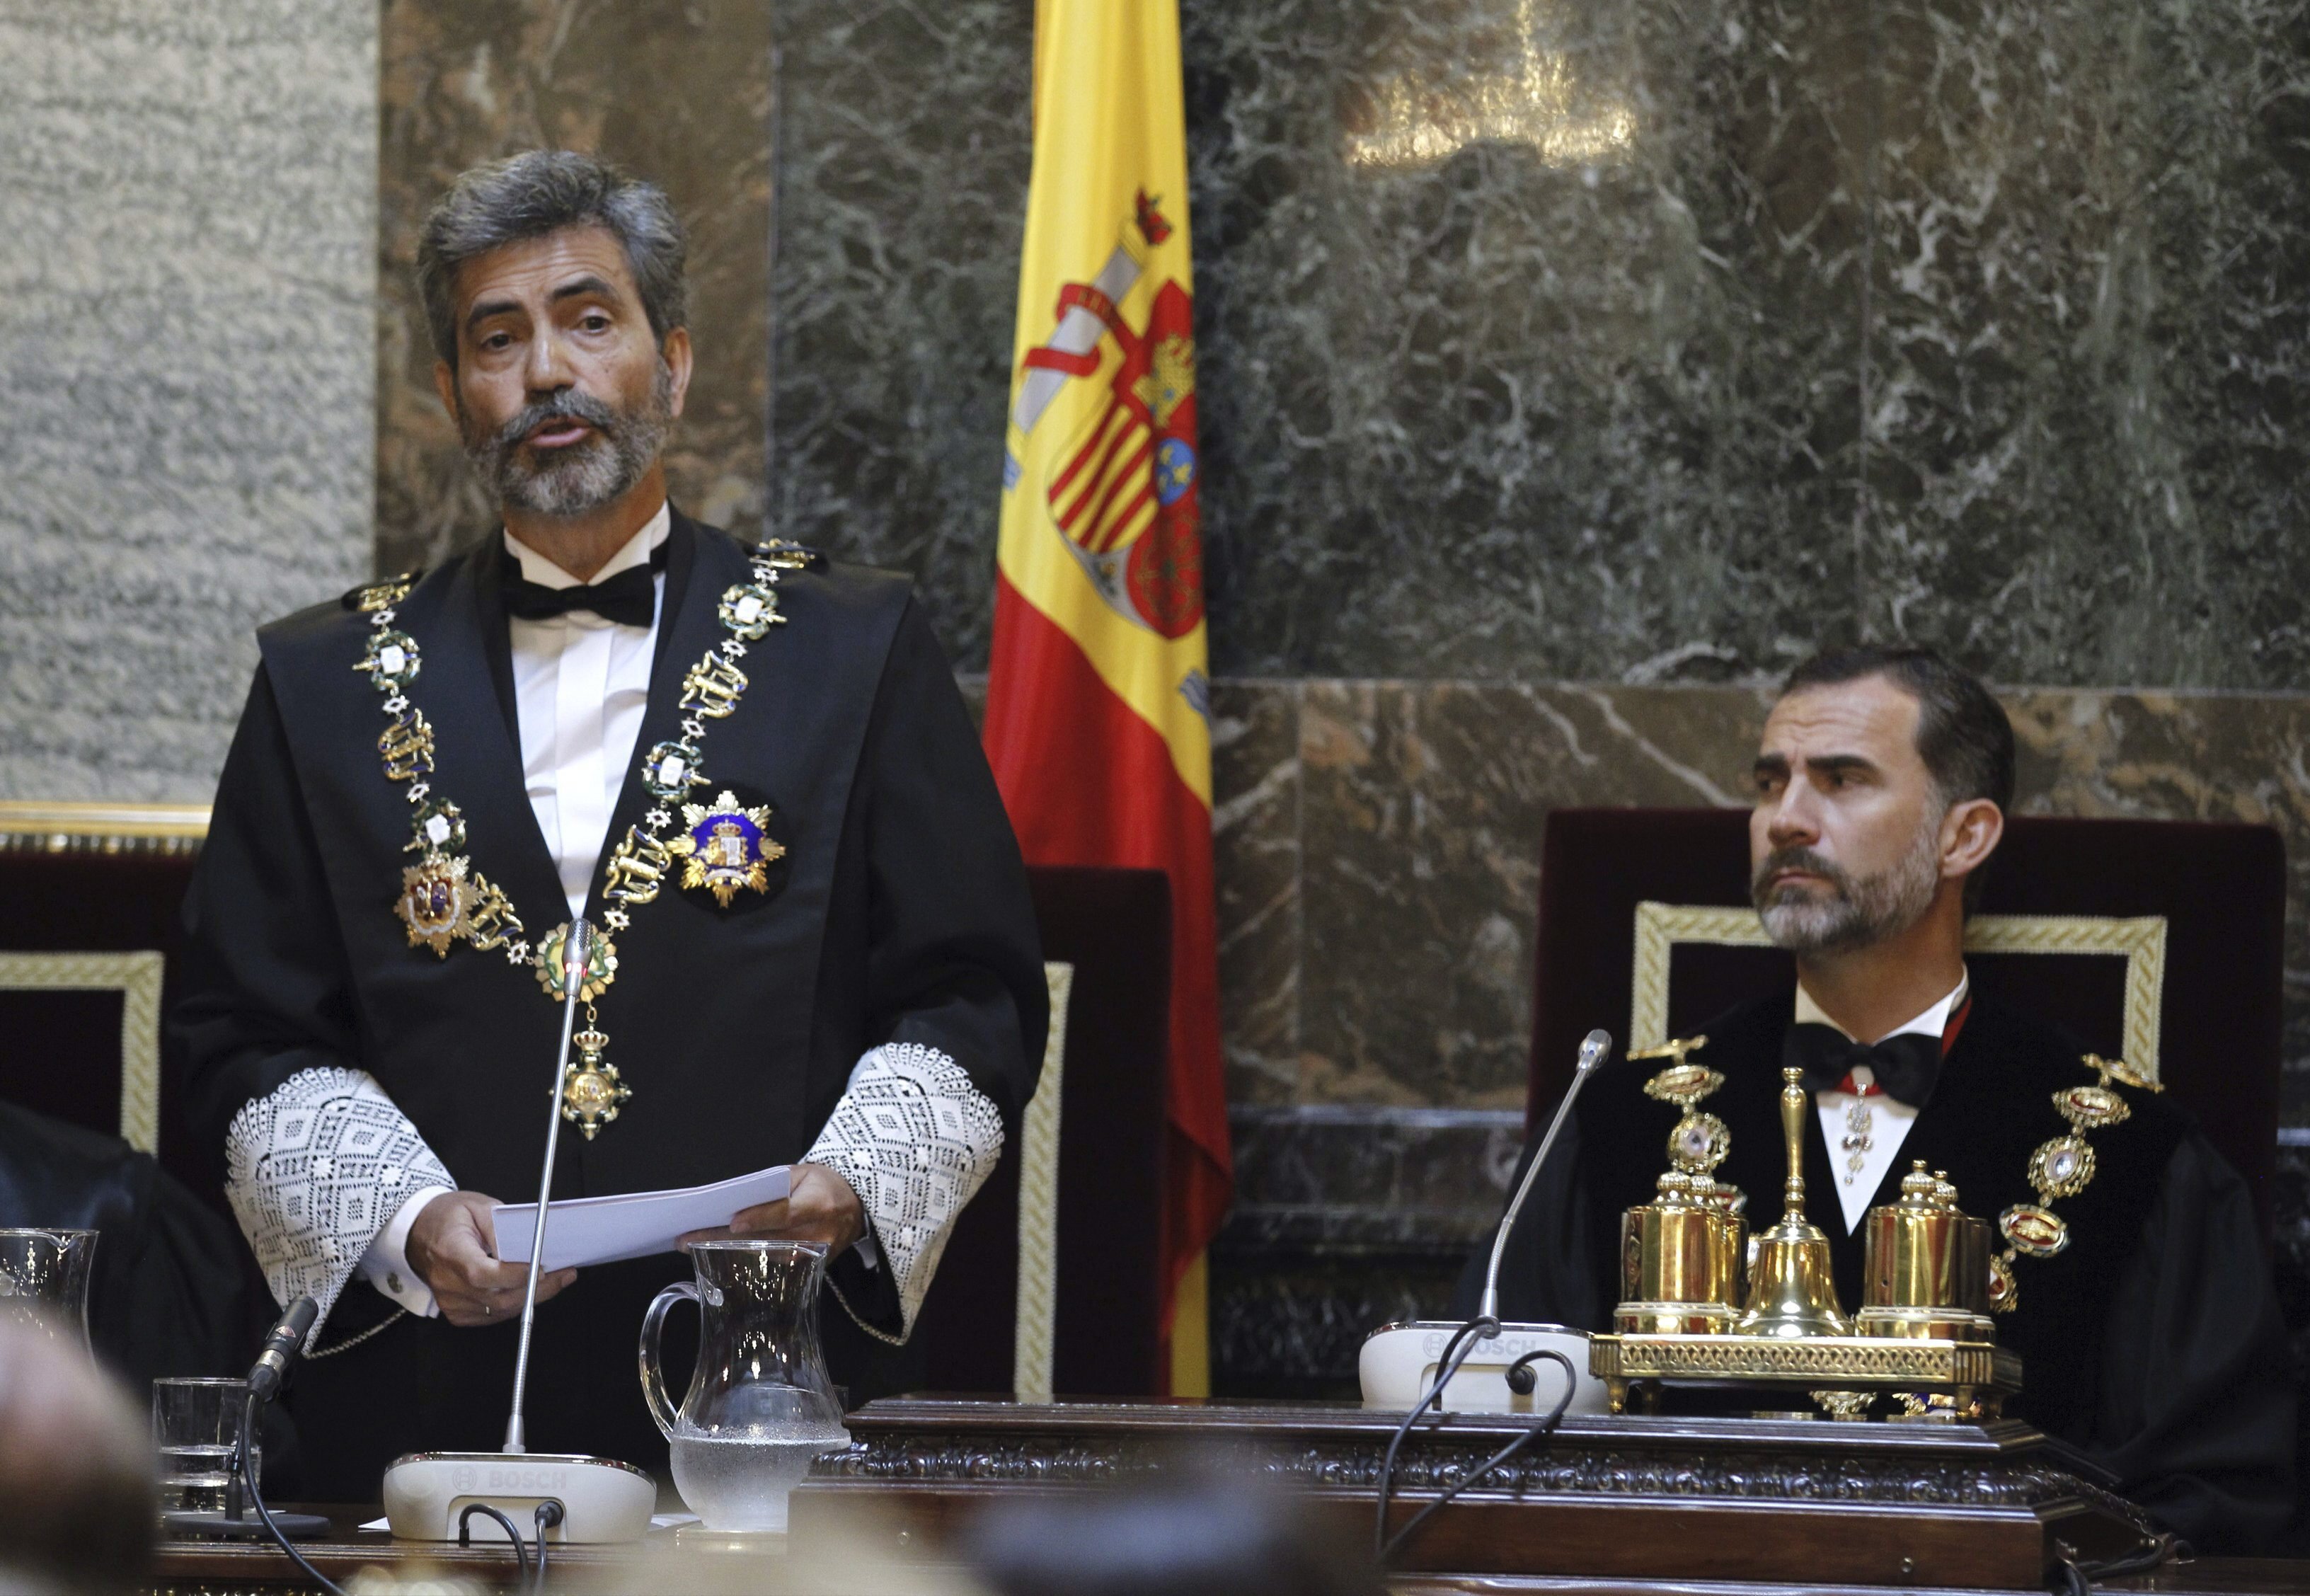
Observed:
{"x":1907,"y":1066}
{"x":630,"y":598}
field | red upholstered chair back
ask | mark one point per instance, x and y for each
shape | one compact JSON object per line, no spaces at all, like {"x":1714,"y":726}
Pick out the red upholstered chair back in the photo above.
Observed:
{"x":82,"y":1032}
{"x":2220,"y":888}
{"x":1114,"y":926}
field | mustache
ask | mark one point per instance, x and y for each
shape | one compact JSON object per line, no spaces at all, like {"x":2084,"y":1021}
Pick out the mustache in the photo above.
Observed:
{"x":1796,"y":858}
{"x":568,"y":405}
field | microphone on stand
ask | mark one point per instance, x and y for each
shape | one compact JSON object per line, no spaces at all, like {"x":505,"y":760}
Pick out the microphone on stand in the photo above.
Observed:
{"x":1416,"y":1366}
{"x":433,"y":1495}
{"x":282,"y":1343}
{"x":574,"y":950}
{"x":1487,"y":1363}
{"x":1592,"y":1049}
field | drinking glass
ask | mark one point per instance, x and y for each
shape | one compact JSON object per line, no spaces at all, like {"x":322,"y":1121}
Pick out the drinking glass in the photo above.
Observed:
{"x":195,"y":1424}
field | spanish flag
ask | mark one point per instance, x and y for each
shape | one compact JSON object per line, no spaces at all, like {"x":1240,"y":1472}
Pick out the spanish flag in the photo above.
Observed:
{"x":1099,"y":703}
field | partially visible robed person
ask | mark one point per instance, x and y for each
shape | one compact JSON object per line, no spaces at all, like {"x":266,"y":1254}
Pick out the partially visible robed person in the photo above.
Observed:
{"x":746,"y":764}
{"x":2151,"y":1341}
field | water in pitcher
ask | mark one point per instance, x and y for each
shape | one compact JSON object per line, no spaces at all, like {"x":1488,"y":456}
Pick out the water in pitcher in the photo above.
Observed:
{"x":740,"y":1483}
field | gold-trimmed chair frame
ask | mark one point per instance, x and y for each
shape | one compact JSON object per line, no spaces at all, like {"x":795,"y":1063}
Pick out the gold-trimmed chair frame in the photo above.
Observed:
{"x":2140,"y":941}
{"x":137,"y":976}
{"x":61,"y":828}
{"x":45,"y":827}
{"x":1035,"y":1327}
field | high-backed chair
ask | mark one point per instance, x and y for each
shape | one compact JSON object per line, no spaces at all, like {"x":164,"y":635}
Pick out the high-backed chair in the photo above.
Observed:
{"x":2160,"y":941}
{"x":89,"y":942}
{"x":1053,"y":1278}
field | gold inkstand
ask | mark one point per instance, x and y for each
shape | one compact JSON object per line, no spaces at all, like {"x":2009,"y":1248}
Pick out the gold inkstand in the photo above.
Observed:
{"x":1922,"y":1345}
{"x":1680,"y":1254}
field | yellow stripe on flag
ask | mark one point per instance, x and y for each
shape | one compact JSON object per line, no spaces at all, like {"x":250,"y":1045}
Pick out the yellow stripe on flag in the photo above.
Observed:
{"x":1191,"y":1330}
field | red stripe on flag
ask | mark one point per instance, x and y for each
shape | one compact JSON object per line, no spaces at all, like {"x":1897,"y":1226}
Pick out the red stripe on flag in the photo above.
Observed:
{"x":1121,"y":522}
{"x":1134,"y":469}
{"x":1087,"y":781}
{"x":1116,"y":438}
{"x":1082,"y":455}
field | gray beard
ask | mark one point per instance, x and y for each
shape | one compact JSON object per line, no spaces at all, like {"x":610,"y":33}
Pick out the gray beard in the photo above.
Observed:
{"x":1853,"y":913}
{"x":577,"y":481}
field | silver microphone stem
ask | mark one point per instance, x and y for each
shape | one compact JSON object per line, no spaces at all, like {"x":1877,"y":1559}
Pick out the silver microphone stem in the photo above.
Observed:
{"x":1592,"y":1049}
{"x":573,"y":977}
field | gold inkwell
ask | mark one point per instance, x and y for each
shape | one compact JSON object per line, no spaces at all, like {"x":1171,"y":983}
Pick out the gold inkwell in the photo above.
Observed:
{"x":1680,"y":1254}
{"x":1927,"y":1270}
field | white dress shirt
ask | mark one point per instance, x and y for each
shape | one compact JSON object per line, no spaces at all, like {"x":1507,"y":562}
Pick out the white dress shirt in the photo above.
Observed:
{"x":1889,"y":1121}
{"x":580,"y":684}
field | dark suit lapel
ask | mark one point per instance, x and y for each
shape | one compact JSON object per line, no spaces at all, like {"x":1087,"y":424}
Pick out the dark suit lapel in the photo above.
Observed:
{"x":698,"y":568}
{"x":477,"y":757}
{"x":497,"y":637}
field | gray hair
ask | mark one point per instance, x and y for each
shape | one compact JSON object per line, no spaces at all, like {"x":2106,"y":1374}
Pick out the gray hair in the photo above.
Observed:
{"x":543,"y":191}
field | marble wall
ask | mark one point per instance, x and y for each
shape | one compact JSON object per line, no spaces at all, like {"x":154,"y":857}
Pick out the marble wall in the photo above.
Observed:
{"x":1547,"y":338}
{"x":678,"y":90}
{"x":187,"y":325}
{"x":1652,"y":341}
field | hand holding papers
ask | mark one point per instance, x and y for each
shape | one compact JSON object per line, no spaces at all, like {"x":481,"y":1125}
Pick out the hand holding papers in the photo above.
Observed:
{"x":587,"y":1230}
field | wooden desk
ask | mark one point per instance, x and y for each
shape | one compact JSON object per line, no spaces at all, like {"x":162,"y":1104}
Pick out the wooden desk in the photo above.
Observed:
{"x":1606,"y":1507}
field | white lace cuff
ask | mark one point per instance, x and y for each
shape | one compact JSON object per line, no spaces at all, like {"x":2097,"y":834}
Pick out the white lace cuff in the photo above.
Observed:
{"x":315,"y":1170}
{"x":915,"y":1140}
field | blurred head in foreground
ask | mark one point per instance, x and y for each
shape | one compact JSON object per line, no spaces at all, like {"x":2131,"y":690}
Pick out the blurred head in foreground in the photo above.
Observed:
{"x":1206,"y":1536}
{"x":76,"y":1488}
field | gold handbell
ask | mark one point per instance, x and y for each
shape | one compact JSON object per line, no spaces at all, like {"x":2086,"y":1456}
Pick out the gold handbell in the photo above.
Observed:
{"x":1792,"y":1292}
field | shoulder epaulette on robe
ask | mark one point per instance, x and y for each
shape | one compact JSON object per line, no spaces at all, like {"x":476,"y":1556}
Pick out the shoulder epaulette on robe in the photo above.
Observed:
{"x":370,"y":597}
{"x":788,"y":556}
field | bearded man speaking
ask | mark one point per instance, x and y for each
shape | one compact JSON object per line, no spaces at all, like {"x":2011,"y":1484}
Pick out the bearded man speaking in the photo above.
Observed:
{"x":2152,"y":1341}
{"x":746,"y":764}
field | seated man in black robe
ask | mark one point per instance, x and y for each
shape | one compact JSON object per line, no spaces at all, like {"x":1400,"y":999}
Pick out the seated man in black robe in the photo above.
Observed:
{"x":2138,"y":1294}
{"x":747,"y":765}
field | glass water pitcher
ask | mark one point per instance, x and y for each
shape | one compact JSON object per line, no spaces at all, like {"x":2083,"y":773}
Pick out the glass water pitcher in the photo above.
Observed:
{"x":44,"y":1277}
{"x":759,"y":1407}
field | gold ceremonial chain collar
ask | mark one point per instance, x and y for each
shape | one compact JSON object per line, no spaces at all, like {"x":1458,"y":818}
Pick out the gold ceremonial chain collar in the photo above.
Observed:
{"x":444,"y":899}
{"x":2060,"y":1167}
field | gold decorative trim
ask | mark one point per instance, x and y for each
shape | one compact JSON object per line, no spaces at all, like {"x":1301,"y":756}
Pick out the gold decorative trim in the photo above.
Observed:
{"x":1850,"y":1361}
{"x":43,"y":827}
{"x":1035,"y":1327}
{"x":137,"y":976}
{"x":2140,"y":941}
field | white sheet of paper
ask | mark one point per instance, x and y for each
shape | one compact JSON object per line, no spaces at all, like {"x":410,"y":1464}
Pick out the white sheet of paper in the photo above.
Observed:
{"x":585,"y":1230}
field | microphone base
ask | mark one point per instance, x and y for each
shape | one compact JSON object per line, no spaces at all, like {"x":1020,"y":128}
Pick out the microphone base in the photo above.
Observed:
{"x":216,"y":1526}
{"x":602,"y":1502}
{"x":1399,"y":1363}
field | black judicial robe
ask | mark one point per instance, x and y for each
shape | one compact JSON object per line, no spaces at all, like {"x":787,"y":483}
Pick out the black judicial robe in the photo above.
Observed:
{"x":2153,"y":1344}
{"x":899,"y":913}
